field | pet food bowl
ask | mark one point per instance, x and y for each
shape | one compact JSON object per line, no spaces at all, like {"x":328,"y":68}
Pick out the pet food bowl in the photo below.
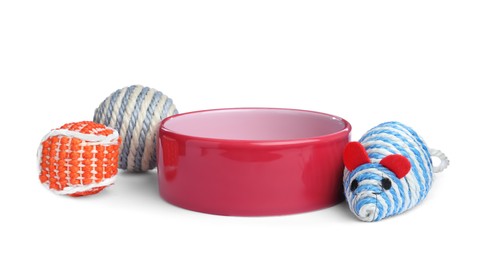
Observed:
{"x":252,"y":161}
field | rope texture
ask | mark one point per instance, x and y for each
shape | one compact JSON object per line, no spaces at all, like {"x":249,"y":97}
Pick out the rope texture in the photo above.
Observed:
{"x":444,"y":161}
{"x":136,"y":112}
{"x":78,"y":159}
{"x":369,"y":200}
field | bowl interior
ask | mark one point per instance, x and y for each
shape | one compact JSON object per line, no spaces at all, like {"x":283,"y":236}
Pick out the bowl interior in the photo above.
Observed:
{"x":255,"y":124}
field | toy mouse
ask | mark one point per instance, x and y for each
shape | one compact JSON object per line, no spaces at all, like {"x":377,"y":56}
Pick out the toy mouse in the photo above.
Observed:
{"x":388,"y":171}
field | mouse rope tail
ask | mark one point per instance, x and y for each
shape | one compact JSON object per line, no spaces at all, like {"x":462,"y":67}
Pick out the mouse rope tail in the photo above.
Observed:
{"x":444,"y":161}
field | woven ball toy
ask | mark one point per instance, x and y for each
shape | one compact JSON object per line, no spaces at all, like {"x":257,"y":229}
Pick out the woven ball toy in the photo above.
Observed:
{"x":388,"y":172}
{"x":79,"y":159}
{"x":136,"y":112}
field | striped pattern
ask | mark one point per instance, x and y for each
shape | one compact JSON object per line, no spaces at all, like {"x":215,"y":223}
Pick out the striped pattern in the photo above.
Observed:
{"x":136,"y":112}
{"x":78,"y":158}
{"x":369,"y":201}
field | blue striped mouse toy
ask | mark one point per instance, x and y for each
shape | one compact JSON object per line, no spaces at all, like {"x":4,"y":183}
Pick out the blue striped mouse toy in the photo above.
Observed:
{"x":388,"y":171}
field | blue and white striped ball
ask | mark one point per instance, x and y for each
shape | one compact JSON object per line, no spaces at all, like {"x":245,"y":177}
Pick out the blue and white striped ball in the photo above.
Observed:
{"x":136,"y":112}
{"x":388,"y":171}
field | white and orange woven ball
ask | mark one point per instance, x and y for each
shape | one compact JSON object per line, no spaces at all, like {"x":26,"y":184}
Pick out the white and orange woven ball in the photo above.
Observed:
{"x":79,"y":158}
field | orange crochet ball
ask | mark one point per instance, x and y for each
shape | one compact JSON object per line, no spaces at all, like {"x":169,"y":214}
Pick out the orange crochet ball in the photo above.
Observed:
{"x":79,"y":159}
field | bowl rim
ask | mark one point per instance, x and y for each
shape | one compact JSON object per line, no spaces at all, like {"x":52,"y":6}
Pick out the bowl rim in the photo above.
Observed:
{"x":328,"y":137}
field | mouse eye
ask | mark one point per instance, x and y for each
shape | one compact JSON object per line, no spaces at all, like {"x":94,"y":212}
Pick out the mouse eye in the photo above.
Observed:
{"x":353,"y":185}
{"x":386,"y":183}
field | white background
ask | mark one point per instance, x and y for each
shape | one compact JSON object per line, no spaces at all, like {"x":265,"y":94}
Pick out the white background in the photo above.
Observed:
{"x":418,"y":62}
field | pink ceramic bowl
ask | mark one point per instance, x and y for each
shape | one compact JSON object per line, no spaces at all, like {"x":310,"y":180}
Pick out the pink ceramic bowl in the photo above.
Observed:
{"x":252,"y":161}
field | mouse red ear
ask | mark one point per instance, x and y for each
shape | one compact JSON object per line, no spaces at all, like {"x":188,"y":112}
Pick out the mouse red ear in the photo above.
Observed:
{"x":354,"y":155}
{"x":398,"y":164}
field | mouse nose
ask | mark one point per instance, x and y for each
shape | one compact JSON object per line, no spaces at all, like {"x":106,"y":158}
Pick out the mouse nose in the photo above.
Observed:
{"x":367,"y":209}
{"x":367,"y":212}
